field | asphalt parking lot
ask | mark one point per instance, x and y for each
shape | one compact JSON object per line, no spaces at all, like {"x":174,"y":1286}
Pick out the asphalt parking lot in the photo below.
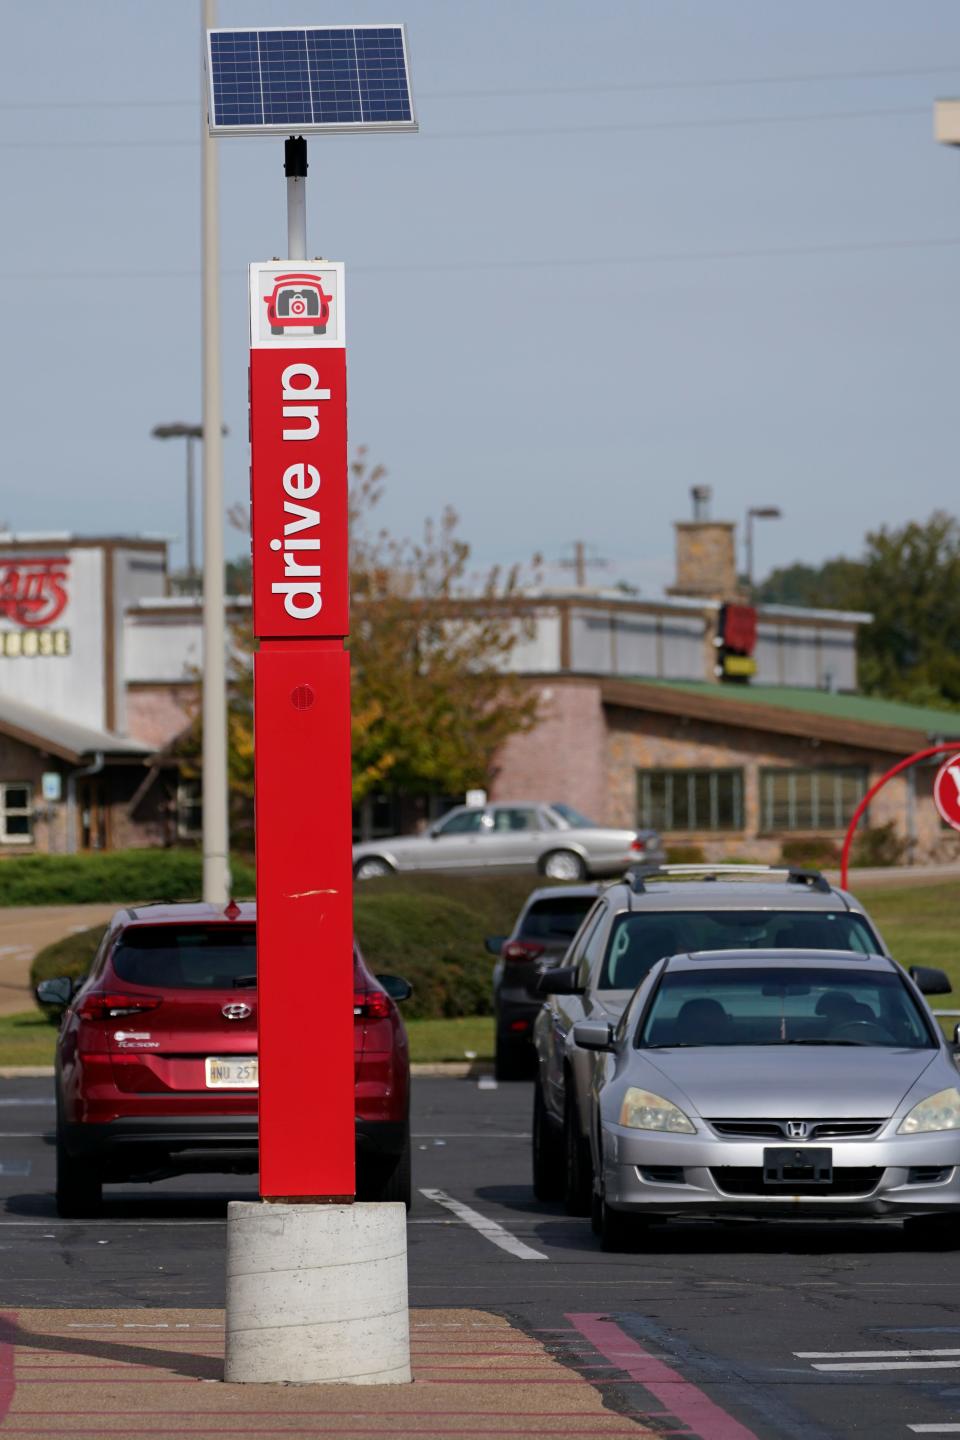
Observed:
{"x":725,"y":1331}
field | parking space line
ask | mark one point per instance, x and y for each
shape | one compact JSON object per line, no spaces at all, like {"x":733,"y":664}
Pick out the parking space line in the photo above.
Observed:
{"x":871,"y":1354}
{"x":949,"y":1429}
{"x":489,"y":1229}
{"x":863,"y":1366}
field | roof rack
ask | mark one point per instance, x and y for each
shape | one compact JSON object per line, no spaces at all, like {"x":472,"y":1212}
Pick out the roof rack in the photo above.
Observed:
{"x":637,"y":876}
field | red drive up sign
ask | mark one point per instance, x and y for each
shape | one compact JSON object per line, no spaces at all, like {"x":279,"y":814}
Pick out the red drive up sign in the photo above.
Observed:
{"x":298,"y":482}
{"x":946,"y":791}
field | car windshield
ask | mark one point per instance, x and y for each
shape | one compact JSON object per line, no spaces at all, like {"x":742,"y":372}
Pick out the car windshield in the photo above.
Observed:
{"x":573,"y":817}
{"x":639,"y":940}
{"x":188,"y":957}
{"x":783,"y":1005}
{"x":556,"y":919}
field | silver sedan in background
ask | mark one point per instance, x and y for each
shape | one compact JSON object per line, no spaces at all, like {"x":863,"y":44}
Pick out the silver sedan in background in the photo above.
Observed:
{"x":552,"y":840}
{"x":775,"y":1084}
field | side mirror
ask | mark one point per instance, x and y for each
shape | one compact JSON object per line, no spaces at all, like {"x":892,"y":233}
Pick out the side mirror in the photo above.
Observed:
{"x":956,"y":1036}
{"x":396,"y":987}
{"x":593,"y":1035}
{"x":57,"y":993}
{"x":494,"y":944}
{"x":929,"y":981}
{"x":564,"y":980}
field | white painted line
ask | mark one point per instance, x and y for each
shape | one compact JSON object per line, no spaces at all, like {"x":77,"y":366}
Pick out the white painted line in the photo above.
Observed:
{"x":863,"y":1365}
{"x":49,"y":1102}
{"x":474,"y":1135}
{"x":489,"y":1229}
{"x":487,"y":1082}
{"x":869,"y":1354}
{"x":118,"y":1224}
{"x":935,"y":1429}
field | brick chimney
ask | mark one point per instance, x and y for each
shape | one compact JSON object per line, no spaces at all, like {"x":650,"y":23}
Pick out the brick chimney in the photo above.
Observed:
{"x":706,"y":553}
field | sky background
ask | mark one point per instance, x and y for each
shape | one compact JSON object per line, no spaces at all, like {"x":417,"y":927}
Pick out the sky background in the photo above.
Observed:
{"x":636,"y":246}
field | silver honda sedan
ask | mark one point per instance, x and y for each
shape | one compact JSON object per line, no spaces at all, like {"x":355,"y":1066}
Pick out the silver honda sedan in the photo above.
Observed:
{"x":775,"y":1084}
{"x":552,"y":840}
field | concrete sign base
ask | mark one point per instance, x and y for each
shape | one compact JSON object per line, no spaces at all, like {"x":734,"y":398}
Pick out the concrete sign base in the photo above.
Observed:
{"x":317,"y":1294}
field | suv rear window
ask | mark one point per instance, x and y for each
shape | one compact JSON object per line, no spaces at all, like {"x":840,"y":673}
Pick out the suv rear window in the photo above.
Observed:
{"x":556,"y":919}
{"x":188,"y":957}
{"x":639,"y":940}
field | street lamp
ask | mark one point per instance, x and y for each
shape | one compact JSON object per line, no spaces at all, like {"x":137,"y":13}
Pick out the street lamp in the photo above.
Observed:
{"x":757,"y":512}
{"x":181,"y":430}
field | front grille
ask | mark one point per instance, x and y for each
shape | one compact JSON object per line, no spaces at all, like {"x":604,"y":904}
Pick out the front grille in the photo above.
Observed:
{"x":928,"y":1174}
{"x":664,"y":1174}
{"x":816,"y":1129}
{"x":749,"y":1180}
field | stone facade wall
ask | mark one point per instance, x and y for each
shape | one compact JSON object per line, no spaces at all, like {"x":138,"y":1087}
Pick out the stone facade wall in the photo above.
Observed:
{"x":706,"y":559}
{"x":563,"y":757}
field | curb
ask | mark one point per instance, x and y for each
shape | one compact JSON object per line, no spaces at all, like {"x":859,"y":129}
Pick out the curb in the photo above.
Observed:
{"x":26,"y":1072}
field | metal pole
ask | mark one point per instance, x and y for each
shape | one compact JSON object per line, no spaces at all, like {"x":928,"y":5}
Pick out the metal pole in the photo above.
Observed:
{"x":216,"y":858}
{"x":295,"y":169}
{"x":191,"y":545}
{"x":750,"y":552}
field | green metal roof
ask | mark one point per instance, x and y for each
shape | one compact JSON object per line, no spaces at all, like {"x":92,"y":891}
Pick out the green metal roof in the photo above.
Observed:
{"x":868,"y":709}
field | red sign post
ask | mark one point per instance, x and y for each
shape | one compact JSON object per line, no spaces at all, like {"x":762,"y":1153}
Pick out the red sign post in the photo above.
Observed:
{"x":298,"y":480}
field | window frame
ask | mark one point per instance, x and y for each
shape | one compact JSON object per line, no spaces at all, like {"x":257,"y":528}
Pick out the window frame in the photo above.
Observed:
{"x":6,"y":810}
{"x":836,"y":823}
{"x":648,"y":820}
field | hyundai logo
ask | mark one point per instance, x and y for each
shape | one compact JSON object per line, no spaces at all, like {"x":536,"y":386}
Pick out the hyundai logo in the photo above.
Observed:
{"x":239,"y":1011}
{"x":797,"y":1129}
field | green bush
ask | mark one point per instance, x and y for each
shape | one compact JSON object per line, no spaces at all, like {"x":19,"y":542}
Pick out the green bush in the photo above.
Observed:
{"x":880,"y":845}
{"x":816,"y":850}
{"x":117,"y":876}
{"x":428,"y":928}
{"x":686,"y":855}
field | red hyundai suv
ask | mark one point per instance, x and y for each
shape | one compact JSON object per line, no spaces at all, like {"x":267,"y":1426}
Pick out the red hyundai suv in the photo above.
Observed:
{"x":156,"y":1071}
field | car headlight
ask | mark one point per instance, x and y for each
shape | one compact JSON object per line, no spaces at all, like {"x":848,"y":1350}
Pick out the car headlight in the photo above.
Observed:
{"x":642,"y":1110}
{"x":937,"y":1112}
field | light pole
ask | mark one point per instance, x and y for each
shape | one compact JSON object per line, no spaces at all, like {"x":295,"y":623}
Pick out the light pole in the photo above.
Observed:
{"x":179,"y":429}
{"x":757,"y":512}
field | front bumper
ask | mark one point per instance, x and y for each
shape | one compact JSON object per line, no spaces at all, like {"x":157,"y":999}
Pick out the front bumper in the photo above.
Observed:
{"x":701,"y":1175}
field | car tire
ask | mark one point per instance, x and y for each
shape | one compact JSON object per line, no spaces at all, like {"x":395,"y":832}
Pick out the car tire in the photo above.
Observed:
{"x":578,"y":1166}
{"x":319,"y":329}
{"x":276,"y":329}
{"x":563,"y":865}
{"x":79,"y":1194}
{"x":512,"y":1059}
{"x":388,"y":1180}
{"x":933,"y":1232}
{"x":547,"y":1151}
{"x":370,"y":867}
{"x":596,"y":1213}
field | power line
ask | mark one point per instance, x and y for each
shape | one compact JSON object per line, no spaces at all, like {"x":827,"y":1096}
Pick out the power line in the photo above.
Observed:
{"x":628,"y":88}
{"x":602,"y":128}
{"x":664,"y":257}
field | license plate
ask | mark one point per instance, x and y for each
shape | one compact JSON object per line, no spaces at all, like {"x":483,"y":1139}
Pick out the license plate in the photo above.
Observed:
{"x":806,"y":1165}
{"x":231,"y":1073}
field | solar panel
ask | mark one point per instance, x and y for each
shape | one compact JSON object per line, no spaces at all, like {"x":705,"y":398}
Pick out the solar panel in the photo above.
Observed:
{"x":338,"y":78}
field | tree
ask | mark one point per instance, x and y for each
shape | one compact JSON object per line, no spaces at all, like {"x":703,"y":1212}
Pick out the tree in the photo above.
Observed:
{"x":834,"y":585}
{"x":431,"y":644}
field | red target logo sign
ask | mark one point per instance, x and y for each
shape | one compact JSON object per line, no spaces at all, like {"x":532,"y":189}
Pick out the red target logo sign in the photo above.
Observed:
{"x":946,"y":791}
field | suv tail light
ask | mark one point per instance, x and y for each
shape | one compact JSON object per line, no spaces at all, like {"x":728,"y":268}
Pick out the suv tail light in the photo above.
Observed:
{"x":637,"y":844}
{"x":371,"y":1005}
{"x":105,"y":1004}
{"x":522,"y":950}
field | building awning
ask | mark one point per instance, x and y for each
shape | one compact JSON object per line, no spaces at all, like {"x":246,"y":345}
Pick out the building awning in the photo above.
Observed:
{"x":66,"y":739}
{"x":862,"y":721}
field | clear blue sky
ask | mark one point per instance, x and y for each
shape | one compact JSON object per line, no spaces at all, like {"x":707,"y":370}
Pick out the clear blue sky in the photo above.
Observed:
{"x":761,"y":306}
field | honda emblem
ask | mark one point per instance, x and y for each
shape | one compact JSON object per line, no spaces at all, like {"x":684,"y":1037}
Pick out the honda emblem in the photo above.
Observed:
{"x":797,"y":1129}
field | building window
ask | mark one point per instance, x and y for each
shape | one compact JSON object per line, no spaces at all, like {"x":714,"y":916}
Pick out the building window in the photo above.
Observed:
{"x":16,"y":814}
{"x":690,"y":799}
{"x":823,"y":799}
{"x":189,"y":809}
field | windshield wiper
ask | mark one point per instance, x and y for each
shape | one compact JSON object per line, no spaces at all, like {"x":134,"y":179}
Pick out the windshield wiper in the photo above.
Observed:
{"x":811,"y":1040}
{"x":241,"y":981}
{"x":676,"y":1045}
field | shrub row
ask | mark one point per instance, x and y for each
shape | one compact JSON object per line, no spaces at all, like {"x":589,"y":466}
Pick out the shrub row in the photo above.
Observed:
{"x":117,"y":876}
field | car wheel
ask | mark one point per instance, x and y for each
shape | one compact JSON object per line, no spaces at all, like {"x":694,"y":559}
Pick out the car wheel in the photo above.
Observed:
{"x":578,"y":1182}
{"x":387,"y":1180}
{"x":371,"y":867}
{"x":319,"y":329}
{"x":563,"y":865}
{"x":547,"y":1151}
{"x":596,"y":1212}
{"x":79,"y":1186}
{"x":276,"y":329}
{"x":513,"y":1059}
{"x":620,"y":1231}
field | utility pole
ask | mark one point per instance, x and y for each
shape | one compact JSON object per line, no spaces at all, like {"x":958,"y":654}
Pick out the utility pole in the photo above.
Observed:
{"x":581,"y":562}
